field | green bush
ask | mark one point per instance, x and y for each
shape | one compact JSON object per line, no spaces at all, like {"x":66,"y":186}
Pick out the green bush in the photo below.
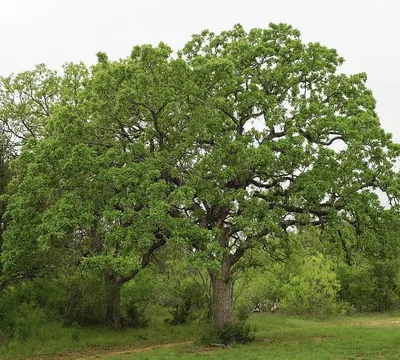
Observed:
{"x":371,"y":286}
{"x":8,"y":312}
{"x":136,"y":296}
{"x":244,"y":309}
{"x":20,"y":315}
{"x":185,"y":299}
{"x":312,"y":289}
{"x":19,"y":321}
{"x":30,"y":318}
{"x":235,"y":333}
{"x":84,"y":301}
{"x":257,"y":290}
{"x":133,"y":316}
{"x":180,"y":313}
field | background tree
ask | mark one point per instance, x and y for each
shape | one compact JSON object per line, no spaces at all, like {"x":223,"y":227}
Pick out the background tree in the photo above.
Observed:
{"x":26,"y":103}
{"x":92,"y":185}
{"x":27,"y":100}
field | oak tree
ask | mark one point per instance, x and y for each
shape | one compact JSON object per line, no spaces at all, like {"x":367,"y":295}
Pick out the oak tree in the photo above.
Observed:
{"x":90,"y":186}
{"x":282,"y":140}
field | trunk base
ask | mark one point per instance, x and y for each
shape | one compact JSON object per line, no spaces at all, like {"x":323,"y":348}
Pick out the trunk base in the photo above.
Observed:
{"x":113,"y":297}
{"x":222,"y":301}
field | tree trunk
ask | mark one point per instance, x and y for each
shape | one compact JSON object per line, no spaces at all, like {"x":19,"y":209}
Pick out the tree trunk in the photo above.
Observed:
{"x":222,"y":296}
{"x":113,"y":301}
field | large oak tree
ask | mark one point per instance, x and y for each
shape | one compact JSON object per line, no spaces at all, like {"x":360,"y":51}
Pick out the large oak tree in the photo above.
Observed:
{"x":282,"y":140}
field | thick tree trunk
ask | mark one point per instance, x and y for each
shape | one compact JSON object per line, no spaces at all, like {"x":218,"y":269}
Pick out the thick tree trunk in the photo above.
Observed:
{"x":222,"y":296}
{"x":113,"y":301}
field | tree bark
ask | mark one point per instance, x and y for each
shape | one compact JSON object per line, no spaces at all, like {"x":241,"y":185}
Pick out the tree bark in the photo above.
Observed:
{"x":222,"y":296}
{"x":113,"y":301}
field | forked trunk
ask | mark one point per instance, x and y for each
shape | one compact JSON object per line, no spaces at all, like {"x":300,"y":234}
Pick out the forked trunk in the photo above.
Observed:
{"x":113,"y":301}
{"x":222,"y":296}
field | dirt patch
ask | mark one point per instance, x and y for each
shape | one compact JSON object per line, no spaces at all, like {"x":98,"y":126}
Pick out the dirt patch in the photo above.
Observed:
{"x":383,"y":322}
{"x":376,"y":323}
{"x":320,"y":338}
{"x":103,"y":353}
{"x":292,"y":341}
{"x":106,"y":353}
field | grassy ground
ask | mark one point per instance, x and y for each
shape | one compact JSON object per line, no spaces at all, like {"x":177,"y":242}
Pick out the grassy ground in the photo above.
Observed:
{"x":52,"y":341}
{"x":278,"y":337}
{"x":367,"y":337}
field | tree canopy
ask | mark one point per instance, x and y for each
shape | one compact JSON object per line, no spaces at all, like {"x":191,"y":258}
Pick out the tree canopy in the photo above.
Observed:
{"x":237,"y":140}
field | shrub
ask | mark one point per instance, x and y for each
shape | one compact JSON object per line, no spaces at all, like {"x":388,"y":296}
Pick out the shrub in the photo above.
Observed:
{"x":20,"y":323}
{"x":180,"y":313}
{"x":136,"y":296}
{"x":244,"y":309}
{"x":20,"y":315}
{"x":185,"y":298}
{"x":84,"y":302}
{"x":312,"y":289}
{"x":134,"y":317}
{"x":257,"y":291}
{"x":235,"y":333}
{"x":28,"y":321}
{"x":371,"y":286}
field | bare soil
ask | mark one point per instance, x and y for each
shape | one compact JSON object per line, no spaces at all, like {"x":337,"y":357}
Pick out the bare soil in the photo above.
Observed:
{"x":97,"y":353}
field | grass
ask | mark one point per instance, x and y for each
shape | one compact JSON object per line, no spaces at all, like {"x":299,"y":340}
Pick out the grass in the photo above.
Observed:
{"x":278,"y":337}
{"x":52,"y":340}
{"x":364,"y":337}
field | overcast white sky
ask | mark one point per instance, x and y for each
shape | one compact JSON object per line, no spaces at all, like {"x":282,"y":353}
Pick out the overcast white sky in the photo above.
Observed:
{"x":365,"y":32}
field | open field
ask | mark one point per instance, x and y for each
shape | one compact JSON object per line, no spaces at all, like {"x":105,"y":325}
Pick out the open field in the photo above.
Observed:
{"x":278,"y":337}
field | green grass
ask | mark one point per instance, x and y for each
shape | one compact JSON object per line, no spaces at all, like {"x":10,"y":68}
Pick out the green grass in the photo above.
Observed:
{"x":278,"y":337}
{"x":52,"y":340}
{"x":366,"y":337}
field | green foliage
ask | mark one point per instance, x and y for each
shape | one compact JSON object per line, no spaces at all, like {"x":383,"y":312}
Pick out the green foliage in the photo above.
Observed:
{"x":181,"y":289}
{"x":187,"y":297}
{"x":259,"y":290}
{"x":6,"y":154}
{"x":238,"y":142}
{"x":20,"y":316}
{"x":312,"y":289}
{"x":304,"y":282}
{"x":26,"y":323}
{"x":134,"y":317}
{"x":235,"y":333}
{"x":83,"y":301}
{"x":371,"y":286}
{"x":27,"y":100}
{"x":75,"y":300}
{"x":136,"y":296}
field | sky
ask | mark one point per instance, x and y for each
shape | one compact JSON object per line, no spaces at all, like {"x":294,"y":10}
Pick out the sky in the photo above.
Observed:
{"x":365,"y":32}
